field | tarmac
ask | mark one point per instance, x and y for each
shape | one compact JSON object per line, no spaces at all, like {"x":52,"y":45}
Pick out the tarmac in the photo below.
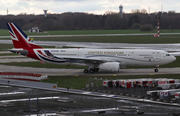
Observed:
{"x":27,"y":101}
{"x":79,"y":72}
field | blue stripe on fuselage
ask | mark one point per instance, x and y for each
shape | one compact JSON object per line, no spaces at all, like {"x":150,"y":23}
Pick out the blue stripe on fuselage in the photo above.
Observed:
{"x":50,"y":59}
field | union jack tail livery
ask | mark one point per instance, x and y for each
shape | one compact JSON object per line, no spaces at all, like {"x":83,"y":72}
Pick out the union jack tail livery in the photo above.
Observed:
{"x":22,"y":43}
{"x":19,"y":38}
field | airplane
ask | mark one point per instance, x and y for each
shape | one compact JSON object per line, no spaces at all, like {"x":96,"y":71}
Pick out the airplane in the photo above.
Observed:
{"x":95,"y":59}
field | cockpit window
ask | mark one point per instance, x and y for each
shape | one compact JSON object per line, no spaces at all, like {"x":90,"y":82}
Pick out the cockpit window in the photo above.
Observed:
{"x":167,"y":54}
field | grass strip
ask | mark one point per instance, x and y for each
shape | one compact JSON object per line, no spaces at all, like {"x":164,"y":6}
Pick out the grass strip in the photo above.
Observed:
{"x":138,"y":39}
{"x":79,"y":82}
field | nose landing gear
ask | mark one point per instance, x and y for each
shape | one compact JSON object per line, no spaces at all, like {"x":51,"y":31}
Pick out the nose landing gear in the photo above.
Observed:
{"x":156,"y":69}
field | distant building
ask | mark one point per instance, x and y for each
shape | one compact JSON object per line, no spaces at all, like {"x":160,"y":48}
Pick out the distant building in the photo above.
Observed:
{"x":45,"y":13}
{"x":34,"y":30}
{"x":121,"y":11}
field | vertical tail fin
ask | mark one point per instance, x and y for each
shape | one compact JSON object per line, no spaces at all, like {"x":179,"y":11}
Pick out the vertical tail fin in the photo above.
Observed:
{"x":19,"y":38}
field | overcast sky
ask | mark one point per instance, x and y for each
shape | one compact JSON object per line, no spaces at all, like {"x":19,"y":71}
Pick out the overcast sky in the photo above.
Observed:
{"x":88,"y":6}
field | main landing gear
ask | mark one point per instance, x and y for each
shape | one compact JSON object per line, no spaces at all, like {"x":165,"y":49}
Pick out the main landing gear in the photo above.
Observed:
{"x":86,"y":71}
{"x":156,"y":69}
{"x":91,"y":70}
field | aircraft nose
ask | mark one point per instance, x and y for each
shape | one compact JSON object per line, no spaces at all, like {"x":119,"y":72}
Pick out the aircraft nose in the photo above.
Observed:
{"x":173,"y":58}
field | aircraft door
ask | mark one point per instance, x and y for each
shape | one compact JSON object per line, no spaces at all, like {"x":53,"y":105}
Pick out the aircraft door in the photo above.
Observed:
{"x":132,"y":55}
{"x":158,"y":55}
{"x":154,"y":56}
{"x":79,"y":54}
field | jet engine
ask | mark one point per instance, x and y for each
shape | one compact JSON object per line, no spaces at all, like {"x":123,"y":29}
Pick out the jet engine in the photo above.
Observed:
{"x":110,"y":66}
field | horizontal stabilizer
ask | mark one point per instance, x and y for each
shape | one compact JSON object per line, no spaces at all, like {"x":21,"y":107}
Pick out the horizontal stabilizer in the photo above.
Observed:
{"x":19,"y":51}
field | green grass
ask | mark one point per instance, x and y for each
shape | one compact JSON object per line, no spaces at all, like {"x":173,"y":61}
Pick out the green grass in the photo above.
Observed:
{"x":9,"y":54}
{"x":78,"y":82}
{"x":5,"y":47}
{"x":4,"y":32}
{"x":82,"y":32}
{"x":141,"y":39}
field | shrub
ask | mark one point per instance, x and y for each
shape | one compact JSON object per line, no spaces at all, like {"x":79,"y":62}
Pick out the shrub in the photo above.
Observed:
{"x":146,"y":27}
{"x":136,"y":26}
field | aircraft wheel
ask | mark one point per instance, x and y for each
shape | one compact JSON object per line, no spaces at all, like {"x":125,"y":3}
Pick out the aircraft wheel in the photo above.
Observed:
{"x":91,"y":70}
{"x":96,"y":69}
{"x":156,"y":70}
{"x":86,"y":71}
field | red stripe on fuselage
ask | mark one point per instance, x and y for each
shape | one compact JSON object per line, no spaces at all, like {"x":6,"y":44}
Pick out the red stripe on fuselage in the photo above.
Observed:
{"x":41,"y":53}
{"x":44,"y":55}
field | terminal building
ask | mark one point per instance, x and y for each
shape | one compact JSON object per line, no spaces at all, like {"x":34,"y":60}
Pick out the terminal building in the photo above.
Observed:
{"x":34,"y":30}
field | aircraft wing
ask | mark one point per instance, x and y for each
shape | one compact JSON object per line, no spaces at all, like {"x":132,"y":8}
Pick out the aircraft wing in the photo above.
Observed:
{"x":84,"y":59}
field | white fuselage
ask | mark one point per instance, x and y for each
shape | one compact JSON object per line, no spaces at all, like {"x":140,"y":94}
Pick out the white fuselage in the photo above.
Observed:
{"x":129,"y":57}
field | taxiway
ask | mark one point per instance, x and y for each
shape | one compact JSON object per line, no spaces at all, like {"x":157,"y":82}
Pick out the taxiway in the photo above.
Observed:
{"x":79,"y":72}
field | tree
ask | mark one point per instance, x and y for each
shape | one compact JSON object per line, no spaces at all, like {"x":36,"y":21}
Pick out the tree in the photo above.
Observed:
{"x":144,"y":11}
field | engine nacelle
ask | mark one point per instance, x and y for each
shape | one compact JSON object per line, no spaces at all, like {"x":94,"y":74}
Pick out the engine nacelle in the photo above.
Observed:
{"x":110,"y":66}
